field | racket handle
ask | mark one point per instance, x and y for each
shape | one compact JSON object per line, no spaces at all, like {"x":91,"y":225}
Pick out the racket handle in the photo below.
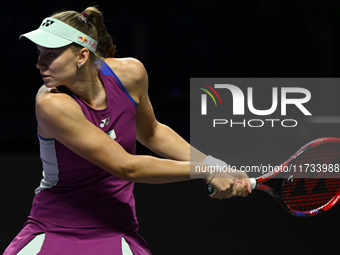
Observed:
{"x":253,"y":182}
{"x":211,"y":191}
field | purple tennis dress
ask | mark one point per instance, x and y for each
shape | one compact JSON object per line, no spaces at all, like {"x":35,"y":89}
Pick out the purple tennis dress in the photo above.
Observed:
{"x":81,"y":208}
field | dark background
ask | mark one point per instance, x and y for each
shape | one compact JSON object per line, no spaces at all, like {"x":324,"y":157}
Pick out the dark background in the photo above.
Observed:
{"x":177,"y":40}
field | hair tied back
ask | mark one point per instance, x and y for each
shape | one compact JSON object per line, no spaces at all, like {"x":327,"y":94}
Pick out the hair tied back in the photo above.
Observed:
{"x":85,"y":14}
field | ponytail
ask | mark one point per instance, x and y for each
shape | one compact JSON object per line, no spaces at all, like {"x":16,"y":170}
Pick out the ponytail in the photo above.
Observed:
{"x":90,"y":22}
{"x":105,"y":48}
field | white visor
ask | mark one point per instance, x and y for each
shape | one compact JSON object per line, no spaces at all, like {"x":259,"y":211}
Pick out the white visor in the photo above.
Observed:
{"x":54,"y":33}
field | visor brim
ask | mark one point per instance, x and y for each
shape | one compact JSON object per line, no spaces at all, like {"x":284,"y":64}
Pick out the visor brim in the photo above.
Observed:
{"x":46,"y":39}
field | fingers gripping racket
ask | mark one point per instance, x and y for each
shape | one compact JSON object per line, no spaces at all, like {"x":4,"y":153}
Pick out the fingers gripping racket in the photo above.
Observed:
{"x":308,"y":183}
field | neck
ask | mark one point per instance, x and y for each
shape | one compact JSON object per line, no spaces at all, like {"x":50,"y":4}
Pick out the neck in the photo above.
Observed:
{"x":90,"y":88}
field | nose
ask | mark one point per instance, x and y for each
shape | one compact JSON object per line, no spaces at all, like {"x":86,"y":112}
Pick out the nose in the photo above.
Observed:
{"x":41,"y":64}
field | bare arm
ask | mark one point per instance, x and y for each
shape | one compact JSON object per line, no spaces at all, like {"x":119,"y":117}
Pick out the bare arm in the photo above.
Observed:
{"x":61,"y":118}
{"x":154,"y":135}
{"x":158,"y":137}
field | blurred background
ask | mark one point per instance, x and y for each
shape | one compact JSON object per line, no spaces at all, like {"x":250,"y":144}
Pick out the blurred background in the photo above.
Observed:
{"x":177,"y":40}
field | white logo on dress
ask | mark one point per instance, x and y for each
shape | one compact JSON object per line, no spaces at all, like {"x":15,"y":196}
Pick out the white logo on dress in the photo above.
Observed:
{"x":112,"y":134}
{"x":105,"y":122}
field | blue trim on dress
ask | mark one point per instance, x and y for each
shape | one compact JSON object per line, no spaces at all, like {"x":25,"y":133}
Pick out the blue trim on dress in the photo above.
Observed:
{"x":45,"y":139}
{"x":106,"y":70}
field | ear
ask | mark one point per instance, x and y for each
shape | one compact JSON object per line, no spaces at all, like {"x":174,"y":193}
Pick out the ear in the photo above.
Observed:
{"x":83,"y":56}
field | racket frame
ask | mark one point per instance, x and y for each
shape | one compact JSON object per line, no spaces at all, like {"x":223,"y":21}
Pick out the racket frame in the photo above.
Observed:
{"x":266,"y":177}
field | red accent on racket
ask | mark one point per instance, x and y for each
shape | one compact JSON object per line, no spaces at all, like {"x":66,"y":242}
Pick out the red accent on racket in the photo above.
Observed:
{"x":308,"y":183}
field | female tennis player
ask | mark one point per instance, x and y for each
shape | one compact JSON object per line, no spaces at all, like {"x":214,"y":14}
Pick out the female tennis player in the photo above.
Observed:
{"x":90,"y":111}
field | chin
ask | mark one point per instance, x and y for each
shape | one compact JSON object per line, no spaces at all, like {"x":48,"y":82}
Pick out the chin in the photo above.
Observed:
{"x":50,"y":85}
{"x":47,"y":85}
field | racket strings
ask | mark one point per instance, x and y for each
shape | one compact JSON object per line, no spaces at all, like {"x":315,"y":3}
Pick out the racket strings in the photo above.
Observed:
{"x":299,"y":199}
{"x":317,"y":180}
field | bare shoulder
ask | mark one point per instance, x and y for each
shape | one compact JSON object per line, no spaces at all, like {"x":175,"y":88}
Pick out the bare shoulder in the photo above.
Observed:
{"x":52,"y":97}
{"x":52,"y":108}
{"x":43,"y":90}
{"x":127,"y":67}
{"x":131,"y":73}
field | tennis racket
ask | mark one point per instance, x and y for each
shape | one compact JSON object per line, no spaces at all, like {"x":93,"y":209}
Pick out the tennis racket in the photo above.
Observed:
{"x":308,"y":183}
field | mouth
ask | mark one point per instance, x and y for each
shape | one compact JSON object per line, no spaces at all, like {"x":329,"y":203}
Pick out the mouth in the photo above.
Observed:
{"x":44,"y":76}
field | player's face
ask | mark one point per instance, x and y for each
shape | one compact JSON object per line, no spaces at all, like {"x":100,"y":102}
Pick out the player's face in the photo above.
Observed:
{"x":57,"y":66}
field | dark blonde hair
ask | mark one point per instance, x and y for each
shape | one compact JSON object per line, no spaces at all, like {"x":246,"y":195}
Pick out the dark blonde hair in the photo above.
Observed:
{"x":92,"y":24}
